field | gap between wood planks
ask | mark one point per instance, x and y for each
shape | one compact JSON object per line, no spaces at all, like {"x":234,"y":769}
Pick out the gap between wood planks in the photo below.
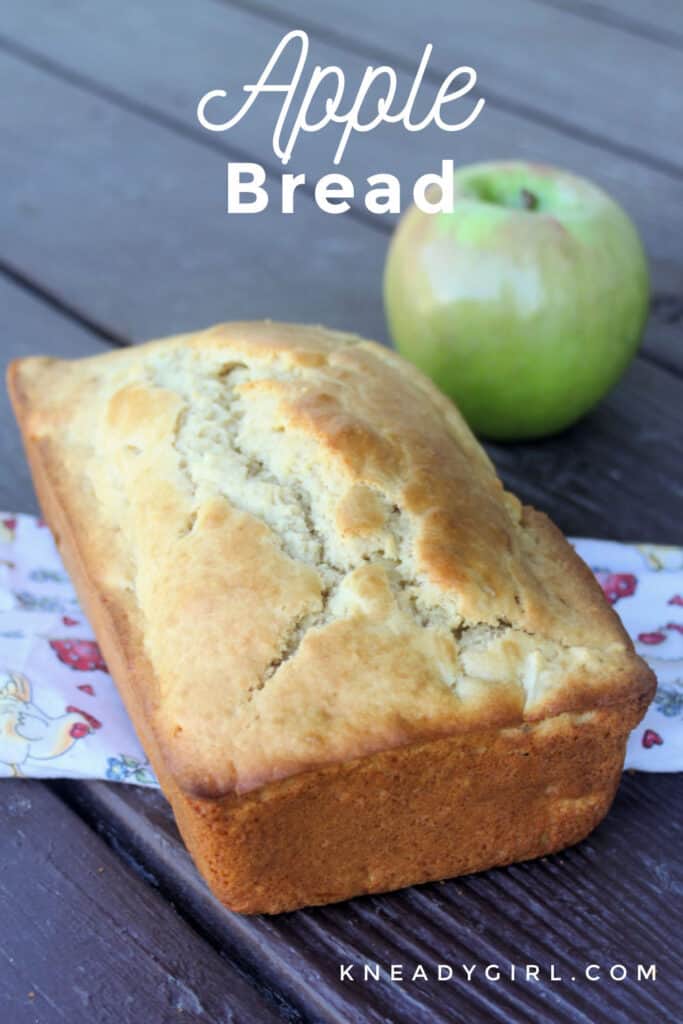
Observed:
{"x":158,"y":117}
{"x":122,"y":949}
{"x":562,"y":494}
{"x":109,"y":336}
{"x":168,"y":873}
{"x":288,"y":947}
{"x":50,"y":298}
{"x":67,"y":791}
{"x":143,"y":956}
{"x":667,"y":307}
{"x":68,"y":309}
{"x":360,"y":48}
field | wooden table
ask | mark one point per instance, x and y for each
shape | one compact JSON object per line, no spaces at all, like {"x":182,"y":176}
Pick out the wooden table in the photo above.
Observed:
{"x":112,"y":232}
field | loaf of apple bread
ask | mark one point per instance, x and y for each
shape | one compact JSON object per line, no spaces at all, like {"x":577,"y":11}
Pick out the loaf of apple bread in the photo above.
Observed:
{"x":355,"y":661}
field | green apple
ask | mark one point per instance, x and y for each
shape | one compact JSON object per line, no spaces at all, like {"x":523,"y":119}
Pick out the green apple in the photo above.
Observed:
{"x":525,"y":303}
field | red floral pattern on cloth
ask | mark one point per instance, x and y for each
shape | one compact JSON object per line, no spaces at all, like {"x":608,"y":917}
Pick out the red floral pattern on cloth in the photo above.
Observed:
{"x":50,"y":666}
{"x":616,"y":585}
{"x":50,"y":663}
{"x":645,"y":584}
{"x":81,"y":655}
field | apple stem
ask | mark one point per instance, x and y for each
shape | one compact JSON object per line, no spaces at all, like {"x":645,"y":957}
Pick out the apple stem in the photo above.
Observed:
{"x":529,"y":199}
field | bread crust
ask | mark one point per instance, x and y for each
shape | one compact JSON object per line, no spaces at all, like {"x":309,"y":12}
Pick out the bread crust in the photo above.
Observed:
{"x":417,"y":779}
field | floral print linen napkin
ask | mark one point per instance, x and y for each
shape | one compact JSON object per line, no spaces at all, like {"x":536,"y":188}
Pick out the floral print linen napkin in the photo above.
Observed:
{"x":61,"y":715}
{"x":644,"y":584}
{"x":60,"y":712}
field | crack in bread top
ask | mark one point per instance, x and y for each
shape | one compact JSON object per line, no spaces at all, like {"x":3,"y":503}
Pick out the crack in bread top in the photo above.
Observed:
{"x":324,"y":560}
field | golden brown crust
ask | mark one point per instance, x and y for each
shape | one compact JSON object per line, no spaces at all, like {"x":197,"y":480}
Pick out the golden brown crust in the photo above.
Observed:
{"x":415,"y":814}
{"x":324,"y":560}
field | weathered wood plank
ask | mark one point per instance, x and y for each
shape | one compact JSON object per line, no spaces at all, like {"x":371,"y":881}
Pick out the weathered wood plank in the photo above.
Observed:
{"x":661,"y":20}
{"x":615,"y":474}
{"x":542,"y":61}
{"x":83,"y":936}
{"x":612,"y":899}
{"x":498,"y":40}
{"x":598,"y":478}
{"x":381,"y":931}
{"x":300,"y":953}
{"x":112,"y":48}
{"x":29,"y":327}
{"x":125,"y":220}
{"x":150,"y":254}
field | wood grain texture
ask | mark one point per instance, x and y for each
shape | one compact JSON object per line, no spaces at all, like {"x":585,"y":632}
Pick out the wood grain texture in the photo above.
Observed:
{"x":659,"y":20}
{"x":109,"y":50}
{"x":82,"y":936}
{"x":29,"y":326}
{"x":534,"y":59}
{"x":571,"y":909}
{"x":615,"y":474}
{"x":113,"y":207}
{"x":301,"y":961}
{"x":140,"y":213}
{"x":584,"y":478}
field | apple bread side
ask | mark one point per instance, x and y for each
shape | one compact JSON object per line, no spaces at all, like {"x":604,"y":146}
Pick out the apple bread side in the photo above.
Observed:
{"x":416,"y":814}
